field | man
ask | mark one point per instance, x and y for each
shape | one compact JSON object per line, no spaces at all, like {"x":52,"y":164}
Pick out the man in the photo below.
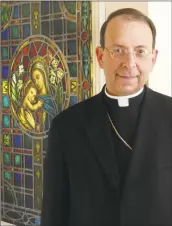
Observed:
{"x":109,"y":159}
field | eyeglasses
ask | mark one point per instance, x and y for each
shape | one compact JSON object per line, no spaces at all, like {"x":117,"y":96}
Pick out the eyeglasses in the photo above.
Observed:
{"x":139,"y":52}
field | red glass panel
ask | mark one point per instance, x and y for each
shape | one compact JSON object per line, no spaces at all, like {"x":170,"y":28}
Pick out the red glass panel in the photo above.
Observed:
{"x":38,"y":45}
{"x":43,"y":50}
{"x":33,"y":52}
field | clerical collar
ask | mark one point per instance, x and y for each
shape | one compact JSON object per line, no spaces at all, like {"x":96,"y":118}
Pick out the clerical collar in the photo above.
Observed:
{"x":123,"y":101}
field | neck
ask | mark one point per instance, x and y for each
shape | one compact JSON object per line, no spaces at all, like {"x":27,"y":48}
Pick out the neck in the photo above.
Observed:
{"x":123,"y":96}
{"x":43,"y":91}
{"x":123,"y":101}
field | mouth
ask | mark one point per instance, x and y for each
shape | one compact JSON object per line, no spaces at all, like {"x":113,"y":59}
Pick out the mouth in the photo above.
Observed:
{"x":127,"y":76}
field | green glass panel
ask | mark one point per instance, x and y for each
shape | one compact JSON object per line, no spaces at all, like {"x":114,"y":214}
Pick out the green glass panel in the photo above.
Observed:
{"x":7,"y":175}
{"x":85,"y":14}
{"x":86,"y":69}
{"x":27,"y":142}
{"x":60,"y":45}
{"x":71,"y":7}
{"x":15,"y":32}
{"x":26,"y":10}
{"x":71,"y":27}
{"x":6,"y":121}
{"x":17,"y":160}
{"x":85,"y":96}
{"x":84,"y":20}
{"x":5,"y":101}
{"x":4,"y":53}
{"x":5,"y":14}
{"x":15,"y":125}
{"x":85,"y":53}
{"x":85,"y":5}
{"x":6,"y":158}
{"x":6,"y":140}
{"x":73,"y":69}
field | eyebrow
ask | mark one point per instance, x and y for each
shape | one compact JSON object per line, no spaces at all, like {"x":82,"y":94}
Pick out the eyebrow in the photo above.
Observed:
{"x":138,"y":46}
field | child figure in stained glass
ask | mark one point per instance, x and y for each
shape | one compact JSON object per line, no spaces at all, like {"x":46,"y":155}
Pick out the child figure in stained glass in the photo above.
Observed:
{"x":29,"y":105}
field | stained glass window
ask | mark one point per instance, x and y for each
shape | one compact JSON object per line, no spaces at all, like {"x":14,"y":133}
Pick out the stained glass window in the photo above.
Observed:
{"x":46,"y":67}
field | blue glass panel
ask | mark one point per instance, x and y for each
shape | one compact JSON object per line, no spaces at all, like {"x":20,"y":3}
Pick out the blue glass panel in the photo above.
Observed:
{"x":26,"y":30}
{"x":4,"y":34}
{"x":17,"y":141}
{"x":28,"y":182}
{"x":17,"y":179}
{"x":58,"y":27}
{"x":37,"y":220}
{"x":73,"y":100}
{"x":44,"y":7}
{"x":56,"y":7}
{"x":5,"y":72}
{"x":71,"y":47}
{"x":5,"y":102}
{"x":45,"y":28}
{"x":16,"y":12}
{"x":28,"y":162}
{"x":6,"y":121}
{"x":13,"y":49}
{"x":29,"y":201}
{"x":45,"y":144}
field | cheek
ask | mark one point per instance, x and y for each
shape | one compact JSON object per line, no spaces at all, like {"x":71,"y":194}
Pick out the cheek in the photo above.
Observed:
{"x":145,"y":68}
{"x":111,"y":67}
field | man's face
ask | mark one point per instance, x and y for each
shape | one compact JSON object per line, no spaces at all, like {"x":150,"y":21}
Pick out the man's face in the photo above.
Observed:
{"x":32,"y":95}
{"x":126,"y":74}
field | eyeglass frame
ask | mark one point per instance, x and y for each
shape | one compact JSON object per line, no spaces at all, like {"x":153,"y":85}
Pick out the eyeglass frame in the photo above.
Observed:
{"x":110,"y":50}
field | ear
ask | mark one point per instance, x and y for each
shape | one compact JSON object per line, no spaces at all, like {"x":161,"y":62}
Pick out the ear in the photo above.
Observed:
{"x":99,"y":54}
{"x":154,"y":58}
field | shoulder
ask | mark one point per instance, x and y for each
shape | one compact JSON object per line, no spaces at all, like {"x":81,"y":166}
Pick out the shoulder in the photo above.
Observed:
{"x":74,"y":116}
{"x":161,"y":98}
{"x":161,"y":103}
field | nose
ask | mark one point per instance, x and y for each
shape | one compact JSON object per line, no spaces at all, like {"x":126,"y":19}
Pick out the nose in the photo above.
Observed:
{"x":129,"y":60}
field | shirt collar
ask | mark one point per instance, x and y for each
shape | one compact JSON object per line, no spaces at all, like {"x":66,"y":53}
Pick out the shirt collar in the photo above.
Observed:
{"x":123,"y":101}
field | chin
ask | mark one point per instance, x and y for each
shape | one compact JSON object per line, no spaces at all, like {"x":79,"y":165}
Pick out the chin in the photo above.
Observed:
{"x":131,"y":90}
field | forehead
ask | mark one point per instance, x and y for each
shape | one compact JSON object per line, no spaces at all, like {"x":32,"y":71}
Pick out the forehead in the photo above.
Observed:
{"x":36,"y":72}
{"x":127,"y":32}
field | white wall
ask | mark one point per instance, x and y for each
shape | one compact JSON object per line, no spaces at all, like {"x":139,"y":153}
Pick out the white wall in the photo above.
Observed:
{"x":160,"y":79}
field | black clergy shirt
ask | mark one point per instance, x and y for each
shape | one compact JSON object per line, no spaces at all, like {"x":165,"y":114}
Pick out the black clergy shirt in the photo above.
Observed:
{"x":125,"y":120}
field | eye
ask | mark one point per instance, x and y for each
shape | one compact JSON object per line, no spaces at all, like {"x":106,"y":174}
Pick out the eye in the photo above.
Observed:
{"x":117,"y":50}
{"x":142,"y":52}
